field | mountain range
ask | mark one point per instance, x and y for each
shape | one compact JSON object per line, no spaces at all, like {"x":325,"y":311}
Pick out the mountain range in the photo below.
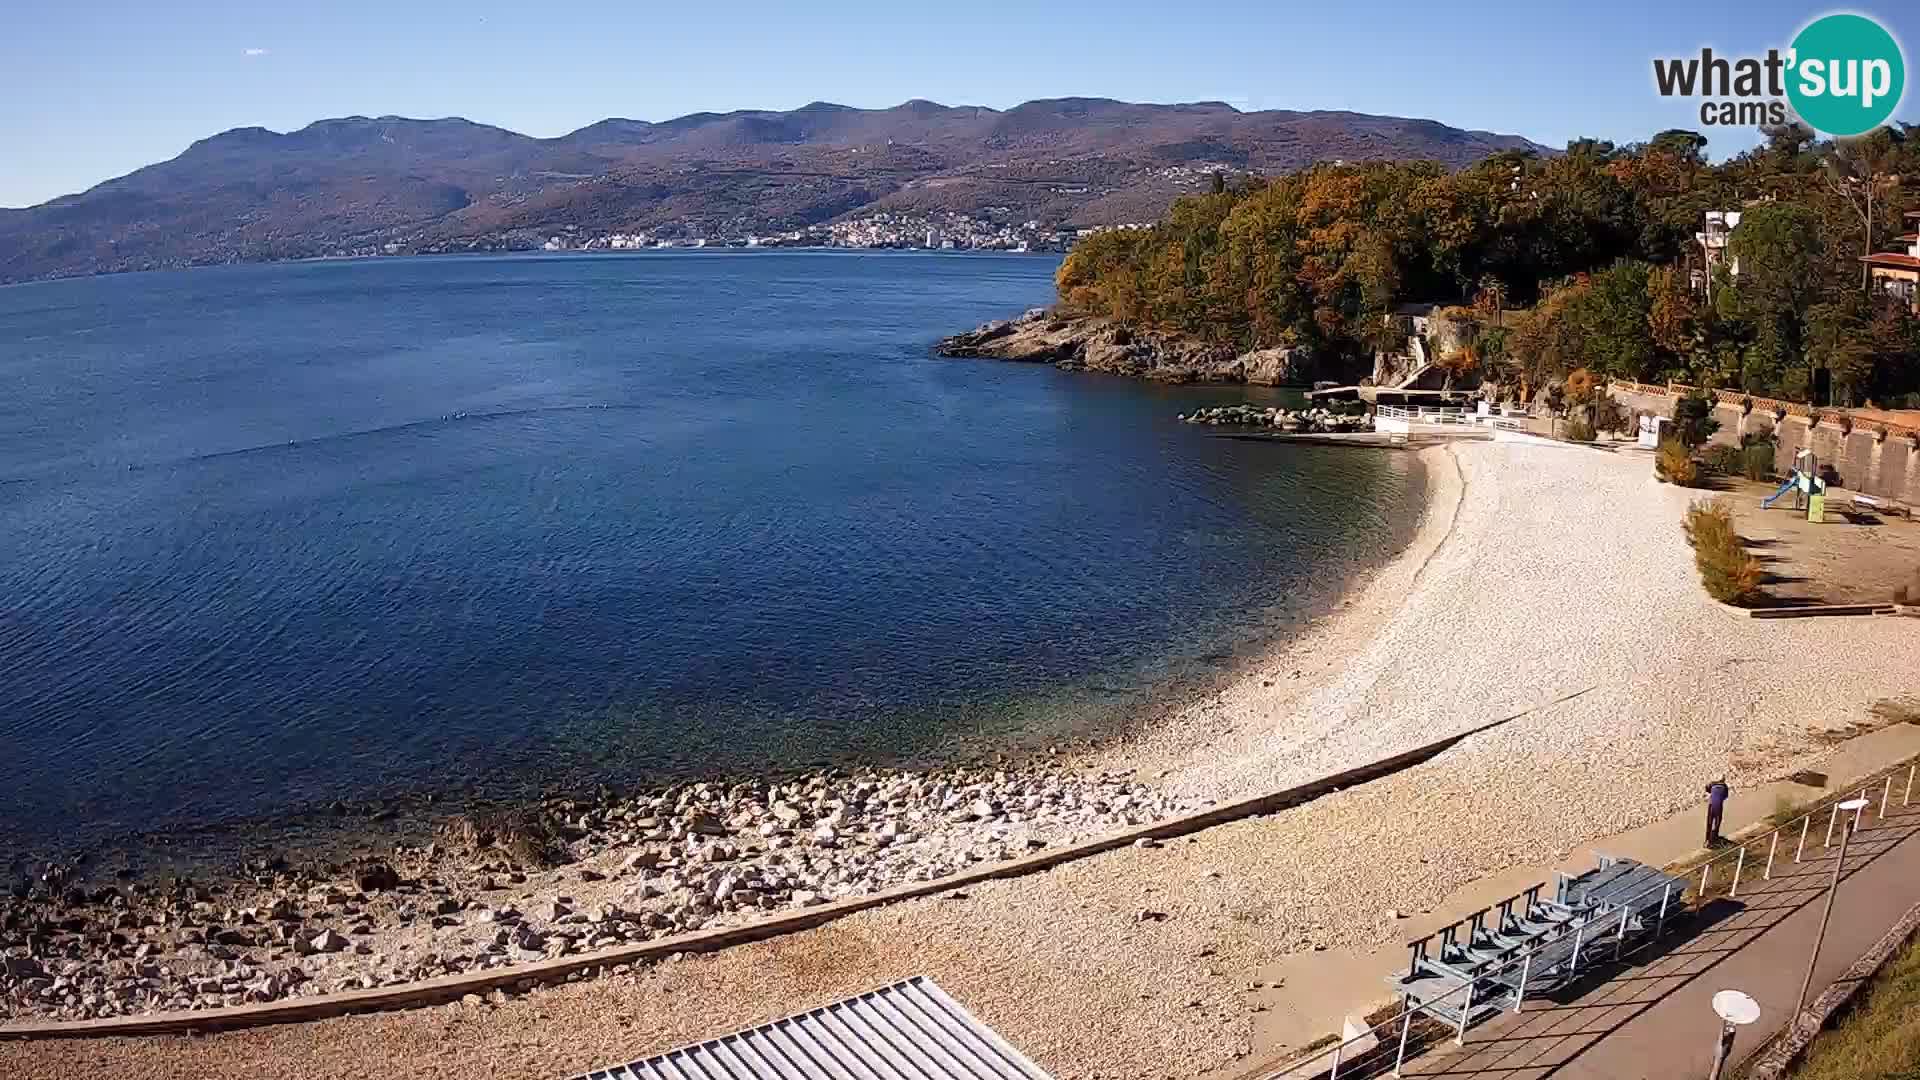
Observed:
{"x":362,"y":185}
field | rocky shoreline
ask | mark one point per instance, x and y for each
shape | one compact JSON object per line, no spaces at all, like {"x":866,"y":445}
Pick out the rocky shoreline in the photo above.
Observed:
{"x":1296,"y":421}
{"x":494,"y":889}
{"x":1085,"y":343}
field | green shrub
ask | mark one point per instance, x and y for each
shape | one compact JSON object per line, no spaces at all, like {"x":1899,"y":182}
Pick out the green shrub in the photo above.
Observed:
{"x":1709,"y":523}
{"x":1756,"y":461}
{"x":1675,"y":465}
{"x":1693,"y":419}
{"x":1729,"y":574}
{"x":1724,"y":459}
{"x":1580,"y":431}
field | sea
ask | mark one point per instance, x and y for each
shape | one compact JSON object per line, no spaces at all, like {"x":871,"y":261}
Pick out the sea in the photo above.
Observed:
{"x":276,"y":537}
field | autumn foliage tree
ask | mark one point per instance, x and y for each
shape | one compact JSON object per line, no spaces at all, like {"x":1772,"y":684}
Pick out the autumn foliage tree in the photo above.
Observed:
{"x":1586,"y":259}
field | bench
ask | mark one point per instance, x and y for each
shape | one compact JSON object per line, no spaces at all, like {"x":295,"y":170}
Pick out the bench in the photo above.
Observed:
{"x":1867,"y":505}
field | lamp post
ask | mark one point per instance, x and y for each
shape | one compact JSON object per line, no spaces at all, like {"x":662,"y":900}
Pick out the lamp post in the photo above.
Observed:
{"x":1736,"y":1010}
{"x":1833,"y":886}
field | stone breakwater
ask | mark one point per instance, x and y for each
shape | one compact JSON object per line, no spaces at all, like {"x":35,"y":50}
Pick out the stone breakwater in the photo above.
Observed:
{"x":1085,"y":343}
{"x":1304,"y":421}
{"x":496,"y":889}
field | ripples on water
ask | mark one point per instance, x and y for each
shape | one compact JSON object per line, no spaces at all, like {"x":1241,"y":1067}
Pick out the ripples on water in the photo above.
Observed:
{"x":281,"y":534}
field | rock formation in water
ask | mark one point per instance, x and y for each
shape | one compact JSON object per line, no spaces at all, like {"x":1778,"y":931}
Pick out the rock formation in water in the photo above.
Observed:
{"x":1091,"y":343}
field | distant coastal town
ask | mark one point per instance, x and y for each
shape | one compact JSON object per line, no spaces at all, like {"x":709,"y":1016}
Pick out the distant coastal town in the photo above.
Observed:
{"x":931,"y":232}
{"x":994,"y":231}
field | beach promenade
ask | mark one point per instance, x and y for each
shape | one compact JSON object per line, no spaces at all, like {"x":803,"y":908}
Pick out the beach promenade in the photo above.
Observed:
{"x":1548,"y":584}
{"x":1652,"y":1019}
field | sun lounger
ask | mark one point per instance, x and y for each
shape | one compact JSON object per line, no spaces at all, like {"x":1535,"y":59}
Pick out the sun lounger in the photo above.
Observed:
{"x":1552,"y":964}
{"x":1528,"y":945}
{"x":1444,"y":999}
{"x":1868,"y":504}
{"x":1616,"y":883}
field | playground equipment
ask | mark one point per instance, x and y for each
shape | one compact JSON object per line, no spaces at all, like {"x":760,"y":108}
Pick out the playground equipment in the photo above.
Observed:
{"x":1804,"y":481}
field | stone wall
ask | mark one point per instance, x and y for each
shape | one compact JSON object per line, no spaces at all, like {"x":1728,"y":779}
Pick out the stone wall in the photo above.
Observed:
{"x":1873,"y":459}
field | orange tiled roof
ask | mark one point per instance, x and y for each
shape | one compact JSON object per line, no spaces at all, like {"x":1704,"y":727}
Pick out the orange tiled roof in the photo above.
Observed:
{"x":1891,"y":258}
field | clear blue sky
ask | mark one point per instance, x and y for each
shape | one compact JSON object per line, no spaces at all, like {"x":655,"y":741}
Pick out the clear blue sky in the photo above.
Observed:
{"x":91,"y":90}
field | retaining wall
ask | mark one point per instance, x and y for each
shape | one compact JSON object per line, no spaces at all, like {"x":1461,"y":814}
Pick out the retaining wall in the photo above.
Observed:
{"x":1871,"y":457}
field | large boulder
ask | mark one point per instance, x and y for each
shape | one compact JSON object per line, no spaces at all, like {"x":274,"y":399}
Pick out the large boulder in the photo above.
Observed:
{"x":1037,"y":336}
{"x":1447,"y":335}
{"x":1276,"y":367}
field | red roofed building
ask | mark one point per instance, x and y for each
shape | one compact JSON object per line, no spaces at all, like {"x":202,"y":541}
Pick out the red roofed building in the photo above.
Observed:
{"x":1897,"y":273}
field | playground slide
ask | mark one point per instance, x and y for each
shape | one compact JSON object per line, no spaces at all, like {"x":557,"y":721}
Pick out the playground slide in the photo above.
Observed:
{"x":1812,"y":485}
{"x":1793,"y":481}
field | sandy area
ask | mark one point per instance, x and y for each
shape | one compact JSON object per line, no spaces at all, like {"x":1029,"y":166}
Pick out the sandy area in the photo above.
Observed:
{"x":1845,"y":558}
{"x":1558,"y":588}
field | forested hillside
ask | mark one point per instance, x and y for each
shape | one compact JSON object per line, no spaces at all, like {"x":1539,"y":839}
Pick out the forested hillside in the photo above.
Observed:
{"x":1596,"y":248}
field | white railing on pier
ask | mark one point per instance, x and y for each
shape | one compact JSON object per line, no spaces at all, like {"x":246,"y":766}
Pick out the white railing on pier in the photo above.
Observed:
{"x":1400,"y":420}
{"x":1422,"y":414}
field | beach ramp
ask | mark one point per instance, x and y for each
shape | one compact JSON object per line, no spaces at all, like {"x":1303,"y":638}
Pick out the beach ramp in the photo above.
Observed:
{"x":909,"y":1029}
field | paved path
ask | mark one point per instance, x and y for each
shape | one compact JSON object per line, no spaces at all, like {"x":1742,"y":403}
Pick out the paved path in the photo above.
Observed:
{"x":1651,"y":1018}
{"x":1310,"y":994}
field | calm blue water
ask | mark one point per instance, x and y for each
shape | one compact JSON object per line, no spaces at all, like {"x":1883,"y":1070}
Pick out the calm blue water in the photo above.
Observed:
{"x":274,"y":535}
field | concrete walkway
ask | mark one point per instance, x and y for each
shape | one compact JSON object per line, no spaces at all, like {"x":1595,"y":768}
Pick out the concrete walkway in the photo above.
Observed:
{"x":1650,"y":1016}
{"x":1309,"y":994}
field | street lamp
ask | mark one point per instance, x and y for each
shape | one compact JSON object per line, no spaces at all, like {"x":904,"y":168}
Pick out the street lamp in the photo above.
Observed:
{"x":1853,"y":806}
{"x":1736,"y":1010}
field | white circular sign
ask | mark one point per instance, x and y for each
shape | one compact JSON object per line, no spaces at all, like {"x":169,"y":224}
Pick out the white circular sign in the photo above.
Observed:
{"x":1735,"y":1007}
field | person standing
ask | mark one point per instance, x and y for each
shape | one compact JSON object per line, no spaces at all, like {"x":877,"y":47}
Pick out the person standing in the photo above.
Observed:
{"x":1717,"y":793}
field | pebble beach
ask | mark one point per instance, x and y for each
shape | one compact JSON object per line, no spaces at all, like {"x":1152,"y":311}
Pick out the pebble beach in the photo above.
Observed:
{"x":1547,"y":586}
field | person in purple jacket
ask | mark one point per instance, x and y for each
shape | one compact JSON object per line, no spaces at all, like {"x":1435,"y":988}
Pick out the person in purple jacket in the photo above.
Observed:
{"x":1717,"y":793}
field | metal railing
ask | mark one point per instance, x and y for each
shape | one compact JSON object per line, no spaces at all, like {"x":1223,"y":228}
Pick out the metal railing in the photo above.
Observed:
{"x":1425,"y":415}
{"x":1362,"y":1055}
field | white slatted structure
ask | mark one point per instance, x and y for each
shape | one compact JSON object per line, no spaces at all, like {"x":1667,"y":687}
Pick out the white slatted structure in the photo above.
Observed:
{"x":908,"y":1031}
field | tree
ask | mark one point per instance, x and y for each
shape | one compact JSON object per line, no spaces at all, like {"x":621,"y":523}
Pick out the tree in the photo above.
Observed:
{"x":1612,"y":314}
{"x":1689,"y":145}
{"x":1556,"y":397}
{"x":1839,"y":340}
{"x":1545,"y":342}
{"x":1459,"y":363}
{"x":1849,"y":175}
{"x":1786,"y":142}
{"x":1781,"y":256}
{"x":1894,"y":333}
{"x":1490,"y":300}
{"x":1600,"y":149}
{"x":1580,"y":387}
{"x":1578,"y":260}
{"x":1693,"y":420}
{"x":1671,"y":312}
